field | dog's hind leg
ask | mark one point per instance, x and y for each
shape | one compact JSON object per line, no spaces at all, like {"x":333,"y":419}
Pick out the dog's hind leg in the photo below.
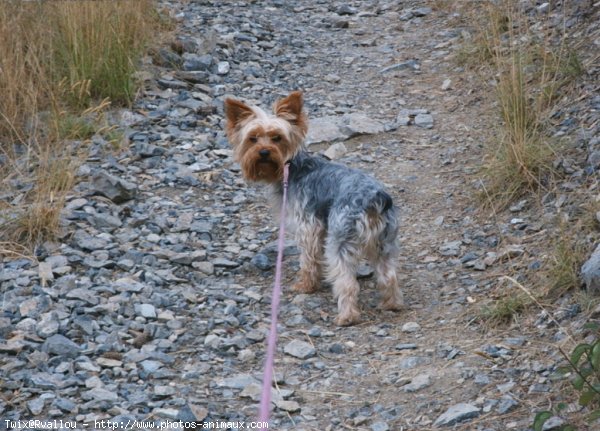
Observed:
{"x":342,"y":260}
{"x":310,"y":240}
{"x":385,"y":262}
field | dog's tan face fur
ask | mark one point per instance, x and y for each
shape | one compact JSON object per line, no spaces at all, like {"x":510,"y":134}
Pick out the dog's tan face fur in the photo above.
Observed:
{"x":263,"y":142}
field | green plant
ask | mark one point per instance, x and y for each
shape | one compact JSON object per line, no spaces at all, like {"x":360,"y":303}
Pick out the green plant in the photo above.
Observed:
{"x":584,"y":362}
{"x":70,"y":126}
{"x":542,"y":417}
{"x":504,"y":310}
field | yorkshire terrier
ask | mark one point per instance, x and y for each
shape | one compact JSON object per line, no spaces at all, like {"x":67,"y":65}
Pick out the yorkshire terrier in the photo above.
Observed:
{"x":339,"y":214}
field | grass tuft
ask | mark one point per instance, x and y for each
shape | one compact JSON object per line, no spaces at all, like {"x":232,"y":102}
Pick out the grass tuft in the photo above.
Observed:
{"x":61,"y":64}
{"x":504,"y":310}
{"x":529,"y":73}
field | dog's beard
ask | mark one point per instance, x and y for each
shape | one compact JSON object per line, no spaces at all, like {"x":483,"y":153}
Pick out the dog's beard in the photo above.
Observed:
{"x":263,"y":169}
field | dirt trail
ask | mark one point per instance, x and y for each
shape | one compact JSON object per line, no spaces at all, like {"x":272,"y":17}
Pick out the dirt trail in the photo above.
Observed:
{"x":427,"y":171}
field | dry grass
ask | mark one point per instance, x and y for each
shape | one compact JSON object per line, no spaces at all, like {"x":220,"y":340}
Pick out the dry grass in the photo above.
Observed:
{"x":572,"y":245}
{"x":563,"y":273}
{"x":62,"y":63}
{"x":504,"y":310}
{"x":530,"y":70}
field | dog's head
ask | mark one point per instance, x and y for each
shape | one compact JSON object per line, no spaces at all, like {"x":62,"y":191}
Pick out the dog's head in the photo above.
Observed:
{"x":262,"y":143}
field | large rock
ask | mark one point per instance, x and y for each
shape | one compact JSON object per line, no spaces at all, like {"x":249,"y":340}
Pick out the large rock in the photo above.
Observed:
{"x":325,"y":129}
{"x":590,"y":272}
{"x":358,"y":123}
{"x":114,"y":188}
{"x":339,"y":128}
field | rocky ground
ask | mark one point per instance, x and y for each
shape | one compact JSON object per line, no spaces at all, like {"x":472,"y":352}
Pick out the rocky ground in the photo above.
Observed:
{"x":155,"y":303}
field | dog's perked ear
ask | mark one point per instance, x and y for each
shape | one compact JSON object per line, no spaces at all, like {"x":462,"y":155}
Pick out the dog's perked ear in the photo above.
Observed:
{"x":290,"y":109}
{"x":236,"y":112}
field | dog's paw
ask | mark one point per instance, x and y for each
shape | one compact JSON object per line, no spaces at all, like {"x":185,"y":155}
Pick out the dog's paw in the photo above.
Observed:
{"x":348,"y":319}
{"x":303,"y":286}
{"x":392,"y":305}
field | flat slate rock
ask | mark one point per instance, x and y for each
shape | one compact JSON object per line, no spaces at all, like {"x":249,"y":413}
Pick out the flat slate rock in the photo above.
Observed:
{"x":457,"y":413}
{"x":299,"y":349}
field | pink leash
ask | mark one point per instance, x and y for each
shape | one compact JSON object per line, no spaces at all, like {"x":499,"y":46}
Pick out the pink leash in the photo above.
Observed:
{"x":265,"y":402}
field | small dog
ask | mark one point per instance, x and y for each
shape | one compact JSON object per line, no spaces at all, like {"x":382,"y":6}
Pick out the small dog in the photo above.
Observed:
{"x":339,"y":214}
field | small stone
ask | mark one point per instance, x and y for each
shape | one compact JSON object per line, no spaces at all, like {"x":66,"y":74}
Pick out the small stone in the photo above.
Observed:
{"x":590,"y":272}
{"x":212,"y":340}
{"x":424,"y":120}
{"x":299,"y":349}
{"x":451,"y":248}
{"x":288,"y":406}
{"x":405,"y":346}
{"x":413,"y":362}
{"x":446,"y":84}
{"x":543,"y":8}
{"x":457,"y":413}
{"x":252,"y":391}
{"x":163,"y":391}
{"x":109,"y":363}
{"x":380,"y":426}
{"x":65,"y":405}
{"x":421,"y":11}
{"x":93,"y":382}
{"x":405,"y":65}
{"x":223,"y":262}
{"x":30,"y":307}
{"x":419,"y":382}
{"x":223,"y":68}
{"x":518,"y":206}
{"x":114,"y":188}
{"x":48,"y":325}
{"x":148,"y":311}
{"x":100,"y":395}
{"x":167,"y":413}
{"x":336,"y":151}
{"x":174,"y":84}
{"x":553,"y":424}
{"x":262,"y":262}
{"x":126,"y":284}
{"x":239,"y":381}
{"x":411,"y":327}
{"x":192,"y":413}
{"x":58,"y":344}
{"x":340,"y":23}
{"x":345,"y":9}
{"x":481,"y":379}
{"x":506,"y":404}
{"x":204,"y":267}
{"x":337,"y":348}
{"x":36,"y":406}
{"x":246,"y":355}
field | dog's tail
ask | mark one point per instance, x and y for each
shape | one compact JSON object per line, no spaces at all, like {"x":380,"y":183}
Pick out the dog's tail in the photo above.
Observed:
{"x":381,"y":202}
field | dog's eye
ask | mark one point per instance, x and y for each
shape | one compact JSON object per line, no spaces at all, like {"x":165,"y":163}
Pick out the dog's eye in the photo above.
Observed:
{"x":276,"y":138}
{"x":253,"y":139}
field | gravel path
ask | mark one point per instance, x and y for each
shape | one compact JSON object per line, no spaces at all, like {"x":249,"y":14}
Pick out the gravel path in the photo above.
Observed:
{"x":154,"y":305}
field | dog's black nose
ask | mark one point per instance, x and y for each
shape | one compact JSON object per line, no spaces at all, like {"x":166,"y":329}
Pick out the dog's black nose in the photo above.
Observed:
{"x":264,"y":153}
